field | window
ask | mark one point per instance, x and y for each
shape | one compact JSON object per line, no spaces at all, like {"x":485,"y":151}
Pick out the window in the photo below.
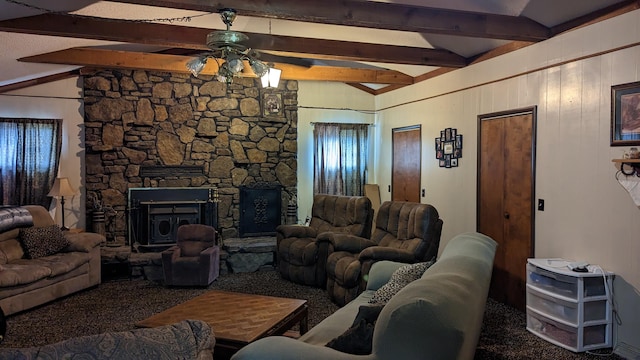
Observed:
{"x":340,"y":160}
{"x":30,"y":151}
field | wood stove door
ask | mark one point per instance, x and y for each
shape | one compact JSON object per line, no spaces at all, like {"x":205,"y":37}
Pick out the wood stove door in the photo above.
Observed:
{"x":165,"y":220}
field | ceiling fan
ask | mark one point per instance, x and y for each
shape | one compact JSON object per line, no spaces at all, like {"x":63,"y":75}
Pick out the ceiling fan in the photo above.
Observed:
{"x":229,"y":52}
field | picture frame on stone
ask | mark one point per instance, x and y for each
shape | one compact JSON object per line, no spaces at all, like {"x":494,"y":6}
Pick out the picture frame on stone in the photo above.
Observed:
{"x":272,"y":104}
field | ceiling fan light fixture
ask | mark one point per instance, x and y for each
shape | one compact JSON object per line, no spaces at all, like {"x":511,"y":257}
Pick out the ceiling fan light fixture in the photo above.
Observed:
{"x":271,"y":78}
{"x":227,"y":45}
{"x":196,"y":65}
{"x":259,"y":68}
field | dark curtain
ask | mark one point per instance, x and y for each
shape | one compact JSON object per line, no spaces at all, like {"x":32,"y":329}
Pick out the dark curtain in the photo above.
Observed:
{"x":353,"y":152}
{"x":340,"y":159}
{"x":30,"y":158}
{"x":327,"y":177}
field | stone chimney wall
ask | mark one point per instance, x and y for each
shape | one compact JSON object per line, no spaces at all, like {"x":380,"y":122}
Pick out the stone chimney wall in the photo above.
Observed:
{"x":223,"y":136}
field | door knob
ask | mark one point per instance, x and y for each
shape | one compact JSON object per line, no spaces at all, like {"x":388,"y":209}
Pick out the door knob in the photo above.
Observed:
{"x":506,"y":215}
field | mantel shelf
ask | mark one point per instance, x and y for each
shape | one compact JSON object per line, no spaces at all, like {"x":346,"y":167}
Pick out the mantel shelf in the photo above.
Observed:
{"x":626,"y":161}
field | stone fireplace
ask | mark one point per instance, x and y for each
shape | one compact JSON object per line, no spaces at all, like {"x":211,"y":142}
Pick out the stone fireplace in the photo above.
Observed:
{"x":167,"y":130}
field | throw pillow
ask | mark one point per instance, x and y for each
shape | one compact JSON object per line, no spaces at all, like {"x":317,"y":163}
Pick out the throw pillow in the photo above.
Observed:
{"x":42,"y":241}
{"x":399,"y":279}
{"x":358,"y":339}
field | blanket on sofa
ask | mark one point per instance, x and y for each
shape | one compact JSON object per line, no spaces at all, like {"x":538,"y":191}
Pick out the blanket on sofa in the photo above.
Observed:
{"x":12,"y":217}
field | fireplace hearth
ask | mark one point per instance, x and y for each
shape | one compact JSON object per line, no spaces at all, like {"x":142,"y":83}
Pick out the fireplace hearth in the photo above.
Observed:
{"x":156,"y":213}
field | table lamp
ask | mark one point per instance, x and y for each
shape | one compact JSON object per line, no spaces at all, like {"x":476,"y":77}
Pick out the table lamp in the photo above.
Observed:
{"x":62,"y":188}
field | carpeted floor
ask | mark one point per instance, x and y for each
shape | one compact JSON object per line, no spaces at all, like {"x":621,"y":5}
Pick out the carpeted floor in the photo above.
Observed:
{"x":117,"y":305}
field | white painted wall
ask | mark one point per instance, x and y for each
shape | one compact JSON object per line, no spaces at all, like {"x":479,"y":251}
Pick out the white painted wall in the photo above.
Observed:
{"x":588,"y":215}
{"x":327,"y":102}
{"x":57,"y":100}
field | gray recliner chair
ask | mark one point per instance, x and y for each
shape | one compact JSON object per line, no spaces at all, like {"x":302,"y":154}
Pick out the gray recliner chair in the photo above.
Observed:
{"x":405,"y":232}
{"x":195,"y":259}
{"x":301,"y":258}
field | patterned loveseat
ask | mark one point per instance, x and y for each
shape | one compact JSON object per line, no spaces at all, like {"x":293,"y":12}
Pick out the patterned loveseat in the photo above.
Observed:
{"x":40,"y":263}
{"x":188,"y":339}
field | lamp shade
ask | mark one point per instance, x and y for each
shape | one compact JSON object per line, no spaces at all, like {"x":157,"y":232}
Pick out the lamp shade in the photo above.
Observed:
{"x":61,"y":187}
{"x":271,"y":78}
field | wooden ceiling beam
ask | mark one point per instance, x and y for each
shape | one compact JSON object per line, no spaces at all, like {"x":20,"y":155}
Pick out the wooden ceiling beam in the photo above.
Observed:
{"x":194,"y":38}
{"x":377,"y":15}
{"x":38,"y":81}
{"x":101,"y":58}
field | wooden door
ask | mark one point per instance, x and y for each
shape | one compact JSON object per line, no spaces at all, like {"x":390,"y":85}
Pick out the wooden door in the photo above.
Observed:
{"x":405,"y":177}
{"x":506,"y":159}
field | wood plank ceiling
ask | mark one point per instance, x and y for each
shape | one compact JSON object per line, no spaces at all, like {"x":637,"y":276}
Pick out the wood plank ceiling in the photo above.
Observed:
{"x":328,"y":60}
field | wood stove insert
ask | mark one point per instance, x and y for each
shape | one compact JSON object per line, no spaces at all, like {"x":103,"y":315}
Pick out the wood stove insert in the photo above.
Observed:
{"x":156,"y":213}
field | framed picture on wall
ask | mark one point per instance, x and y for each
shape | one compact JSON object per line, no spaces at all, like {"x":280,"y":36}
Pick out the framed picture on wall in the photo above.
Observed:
{"x":272,"y":104}
{"x":447,"y":147}
{"x":625,"y":114}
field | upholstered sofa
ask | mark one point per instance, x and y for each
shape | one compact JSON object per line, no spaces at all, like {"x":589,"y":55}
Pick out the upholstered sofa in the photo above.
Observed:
{"x":300,"y":257}
{"x":438,"y":316}
{"x":38,"y":273}
{"x":187,"y":339}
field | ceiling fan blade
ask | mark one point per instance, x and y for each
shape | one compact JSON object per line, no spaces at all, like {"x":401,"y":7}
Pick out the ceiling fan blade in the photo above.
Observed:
{"x":271,"y":58}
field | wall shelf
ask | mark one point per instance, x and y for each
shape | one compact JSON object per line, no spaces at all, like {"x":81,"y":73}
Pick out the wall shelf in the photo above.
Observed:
{"x":626,"y":161}
{"x":634,"y":164}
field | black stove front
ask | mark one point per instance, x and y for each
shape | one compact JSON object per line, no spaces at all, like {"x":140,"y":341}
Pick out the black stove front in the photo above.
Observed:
{"x":260,"y":209}
{"x":156,"y":213}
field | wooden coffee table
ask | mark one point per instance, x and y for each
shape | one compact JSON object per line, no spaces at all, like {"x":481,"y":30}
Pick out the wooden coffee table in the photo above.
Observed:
{"x":237,"y":319}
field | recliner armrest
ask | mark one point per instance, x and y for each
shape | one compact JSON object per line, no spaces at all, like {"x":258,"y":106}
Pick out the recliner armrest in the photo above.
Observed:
{"x":170,"y":254}
{"x":378,"y":253}
{"x":208,"y":254}
{"x":299,"y":231}
{"x":345,"y":242}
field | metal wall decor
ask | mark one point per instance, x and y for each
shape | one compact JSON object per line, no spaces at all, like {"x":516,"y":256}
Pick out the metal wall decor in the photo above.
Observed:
{"x":449,"y":148}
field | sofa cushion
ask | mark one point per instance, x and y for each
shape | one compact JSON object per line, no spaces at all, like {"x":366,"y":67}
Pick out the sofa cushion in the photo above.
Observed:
{"x":399,"y":279}
{"x":358,"y":338}
{"x":83,"y":242}
{"x":12,"y":249}
{"x":58,"y":263}
{"x":42,"y":241}
{"x":20,"y":274}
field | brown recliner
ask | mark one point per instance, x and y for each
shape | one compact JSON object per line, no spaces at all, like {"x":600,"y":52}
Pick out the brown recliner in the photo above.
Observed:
{"x":195,"y":259}
{"x":300,"y":257}
{"x":405,"y":232}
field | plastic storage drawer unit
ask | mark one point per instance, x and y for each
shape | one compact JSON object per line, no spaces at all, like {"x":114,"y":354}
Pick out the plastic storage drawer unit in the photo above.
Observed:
{"x":569,"y":337}
{"x":567,"y":308}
